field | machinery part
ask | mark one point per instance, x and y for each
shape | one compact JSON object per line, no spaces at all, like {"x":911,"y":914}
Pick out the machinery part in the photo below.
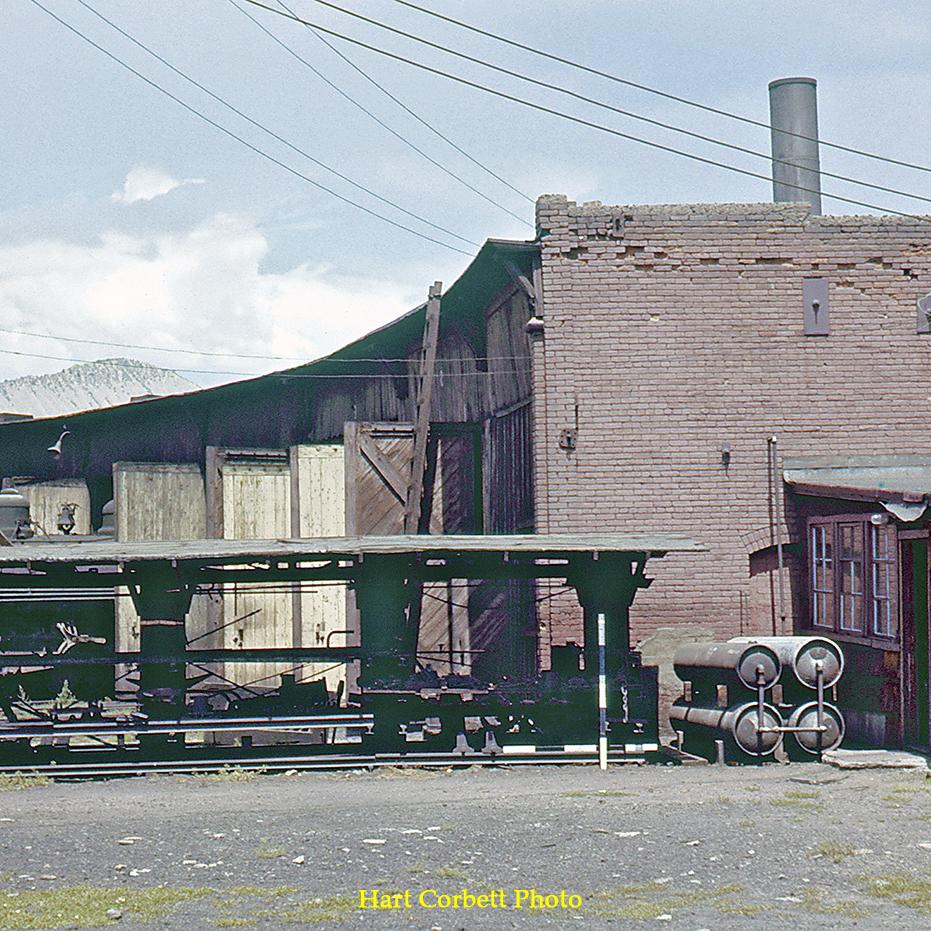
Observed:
{"x":741,"y":723}
{"x":808,"y":738}
{"x":722,"y":662}
{"x":801,"y":654}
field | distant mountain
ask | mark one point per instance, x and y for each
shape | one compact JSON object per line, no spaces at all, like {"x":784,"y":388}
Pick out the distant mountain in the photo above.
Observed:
{"x":87,"y":385}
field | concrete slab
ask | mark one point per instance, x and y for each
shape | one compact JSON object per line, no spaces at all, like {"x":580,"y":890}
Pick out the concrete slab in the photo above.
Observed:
{"x":875,"y":759}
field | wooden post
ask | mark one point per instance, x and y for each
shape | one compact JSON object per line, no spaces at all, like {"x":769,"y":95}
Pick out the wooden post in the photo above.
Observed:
{"x":424,"y":404}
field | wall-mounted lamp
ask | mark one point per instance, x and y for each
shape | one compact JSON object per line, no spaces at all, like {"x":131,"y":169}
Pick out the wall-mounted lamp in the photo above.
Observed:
{"x":726,"y":455}
{"x":879,"y":520}
{"x":56,"y":447}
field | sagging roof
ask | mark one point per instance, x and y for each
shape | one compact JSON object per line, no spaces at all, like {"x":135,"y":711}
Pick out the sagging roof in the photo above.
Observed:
{"x":901,"y":484}
{"x":464,"y":302}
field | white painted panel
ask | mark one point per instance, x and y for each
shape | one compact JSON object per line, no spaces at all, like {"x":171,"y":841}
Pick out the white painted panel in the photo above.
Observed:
{"x":256,"y":506}
{"x":158,"y":501}
{"x":46,"y":499}
{"x":318,"y":475}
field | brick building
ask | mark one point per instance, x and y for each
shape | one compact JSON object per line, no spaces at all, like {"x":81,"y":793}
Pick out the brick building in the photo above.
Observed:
{"x":626,"y":370}
{"x":676,"y":342}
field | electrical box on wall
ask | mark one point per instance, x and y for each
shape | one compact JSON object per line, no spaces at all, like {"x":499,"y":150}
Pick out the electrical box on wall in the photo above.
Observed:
{"x":815,"y":304}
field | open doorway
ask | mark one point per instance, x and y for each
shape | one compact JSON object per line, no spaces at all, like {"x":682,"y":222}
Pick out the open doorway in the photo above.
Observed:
{"x":915,"y":656}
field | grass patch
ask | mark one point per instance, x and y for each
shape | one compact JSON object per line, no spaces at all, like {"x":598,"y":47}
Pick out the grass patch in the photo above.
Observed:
{"x":270,"y":853}
{"x":799,"y":799}
{"x":901,"y":888}
{"x":321,"y":911}
{"x":452,"y":872}
{"x":813,"y":900}
{"x":836,"y":851}
{"x":595,"y":793}
{"x":747,"y":909}
{"x":629,"y":901}
{"x":232,"y":774}
{"x":86,"y":906}
{"x":418,"y":868}
{"x":18,"y":781}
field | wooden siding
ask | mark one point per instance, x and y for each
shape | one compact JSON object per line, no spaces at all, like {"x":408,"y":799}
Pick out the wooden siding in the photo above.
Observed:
{"x":46,"y":499}
{"x":318,"y":495}
{"x":255,"y":490}
{"x":159,"y":502}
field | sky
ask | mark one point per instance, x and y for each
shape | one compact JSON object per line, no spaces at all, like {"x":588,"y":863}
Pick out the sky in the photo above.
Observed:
{"x":126,"y":219}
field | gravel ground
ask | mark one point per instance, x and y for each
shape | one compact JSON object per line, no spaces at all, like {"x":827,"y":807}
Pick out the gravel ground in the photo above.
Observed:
{"x":800,"y":846}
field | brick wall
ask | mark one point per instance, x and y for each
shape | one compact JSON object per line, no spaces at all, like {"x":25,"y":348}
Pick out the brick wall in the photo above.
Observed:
{"x":673,"y":330}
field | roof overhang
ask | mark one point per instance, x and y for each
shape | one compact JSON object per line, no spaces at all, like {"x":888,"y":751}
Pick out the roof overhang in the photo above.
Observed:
{"x":901,"y":484}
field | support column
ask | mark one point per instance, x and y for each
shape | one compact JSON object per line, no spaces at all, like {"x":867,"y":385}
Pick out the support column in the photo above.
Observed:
{"x":389,"y":636}
{"x":162,"y":601}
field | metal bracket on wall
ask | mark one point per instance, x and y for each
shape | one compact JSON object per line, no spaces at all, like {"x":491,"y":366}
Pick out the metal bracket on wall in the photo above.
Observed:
{"x":568,"y":439}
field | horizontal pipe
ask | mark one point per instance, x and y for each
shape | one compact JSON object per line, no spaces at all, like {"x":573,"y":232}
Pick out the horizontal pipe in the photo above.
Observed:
{"x":740,"y":722}
{"x":751,"y":664}
{"x":801,"y":655}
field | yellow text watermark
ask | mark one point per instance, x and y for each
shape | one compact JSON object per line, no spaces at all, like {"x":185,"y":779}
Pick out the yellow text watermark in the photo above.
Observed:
{"x":530,"y":899}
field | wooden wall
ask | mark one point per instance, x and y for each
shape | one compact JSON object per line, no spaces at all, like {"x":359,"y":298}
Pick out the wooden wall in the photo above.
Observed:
{"x":47,"y":498}
{"x":318,"y":493}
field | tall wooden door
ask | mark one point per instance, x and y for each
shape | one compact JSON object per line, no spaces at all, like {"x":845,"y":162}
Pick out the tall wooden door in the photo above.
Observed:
{"x":378,"y":470}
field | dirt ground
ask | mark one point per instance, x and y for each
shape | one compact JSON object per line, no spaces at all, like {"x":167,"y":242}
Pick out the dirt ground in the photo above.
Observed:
{"x":797,"y":846}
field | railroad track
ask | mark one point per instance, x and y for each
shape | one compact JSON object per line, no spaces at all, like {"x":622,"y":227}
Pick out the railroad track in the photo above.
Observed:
{"x":321,"y":761}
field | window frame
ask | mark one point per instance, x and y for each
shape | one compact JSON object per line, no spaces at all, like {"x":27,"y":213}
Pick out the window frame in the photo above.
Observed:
{"x":871,"y":601}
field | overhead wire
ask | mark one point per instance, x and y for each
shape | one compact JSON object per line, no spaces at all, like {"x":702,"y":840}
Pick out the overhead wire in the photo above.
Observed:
{"x":607,"y":106}
{"x":270,"y":132}
{"x":239,"y":355}
{"x":368,"y":112}
{"x":582,"y":121}
{"x":228,"y":132}
{"x":415,"y":115}
{"x":283,"y":375}
{"x":656,"y":91}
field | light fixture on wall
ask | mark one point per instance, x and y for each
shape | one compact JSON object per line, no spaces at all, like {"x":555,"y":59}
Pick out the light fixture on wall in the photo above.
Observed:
{"x":726,"y":455}
{"x":879,"y":520}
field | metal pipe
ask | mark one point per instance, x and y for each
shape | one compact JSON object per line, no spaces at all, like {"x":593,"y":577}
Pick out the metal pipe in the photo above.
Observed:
{"x":739,"y":722}
{"x":802,"y":655}
{"x":723,"y":662}
{"x":793,"y":115}
{"x":777,"y":507}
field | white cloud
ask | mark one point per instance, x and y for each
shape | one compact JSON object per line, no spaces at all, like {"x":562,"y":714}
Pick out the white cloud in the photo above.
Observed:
{"x":144,"y":183}
{"x":202,"y":288}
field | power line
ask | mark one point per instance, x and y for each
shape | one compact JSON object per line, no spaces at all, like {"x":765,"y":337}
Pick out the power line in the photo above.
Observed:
{"x":583,"y":122}
{"x":653,"y":90}
{"x":607,"y":106}
{"x":268,"y":131}
{"x":415,"y":115}
{"x":368,"y":112}
{"x":284,"y":375}
{"x":237,"y":355}
{"x":240,"y":139}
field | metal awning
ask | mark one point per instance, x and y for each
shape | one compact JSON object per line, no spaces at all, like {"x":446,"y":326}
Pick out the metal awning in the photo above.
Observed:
{"x":901,"y":484}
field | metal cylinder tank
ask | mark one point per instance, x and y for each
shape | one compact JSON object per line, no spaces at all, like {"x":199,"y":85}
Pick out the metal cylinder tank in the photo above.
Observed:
{"x":720,"y":662}
{"x":793,"y":117}
{"x":813,"y":741}
{"x":739,"y":722}
{"x":801,"y":654}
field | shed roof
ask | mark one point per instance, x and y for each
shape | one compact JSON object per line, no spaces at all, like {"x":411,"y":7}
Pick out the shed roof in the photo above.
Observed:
{"x":219,"y":552}
{"x":878,"y":478}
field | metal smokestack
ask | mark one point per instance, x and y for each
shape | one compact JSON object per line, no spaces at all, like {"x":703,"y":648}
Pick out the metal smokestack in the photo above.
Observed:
{"x":793,"y":115}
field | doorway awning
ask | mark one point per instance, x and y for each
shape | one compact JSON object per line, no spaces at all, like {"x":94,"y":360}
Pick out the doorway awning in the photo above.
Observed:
{"x":900,"y":484}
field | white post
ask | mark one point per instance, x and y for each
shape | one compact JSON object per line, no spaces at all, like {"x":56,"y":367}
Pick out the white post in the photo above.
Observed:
{"x":602,"y":698}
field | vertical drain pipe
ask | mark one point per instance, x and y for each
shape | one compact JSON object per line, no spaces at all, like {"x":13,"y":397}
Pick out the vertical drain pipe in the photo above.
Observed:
{"x":793,"y":117}
{"x":775,"y":480}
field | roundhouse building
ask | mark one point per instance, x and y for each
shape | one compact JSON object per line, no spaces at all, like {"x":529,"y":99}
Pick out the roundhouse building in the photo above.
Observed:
{"x":754,"y":375}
